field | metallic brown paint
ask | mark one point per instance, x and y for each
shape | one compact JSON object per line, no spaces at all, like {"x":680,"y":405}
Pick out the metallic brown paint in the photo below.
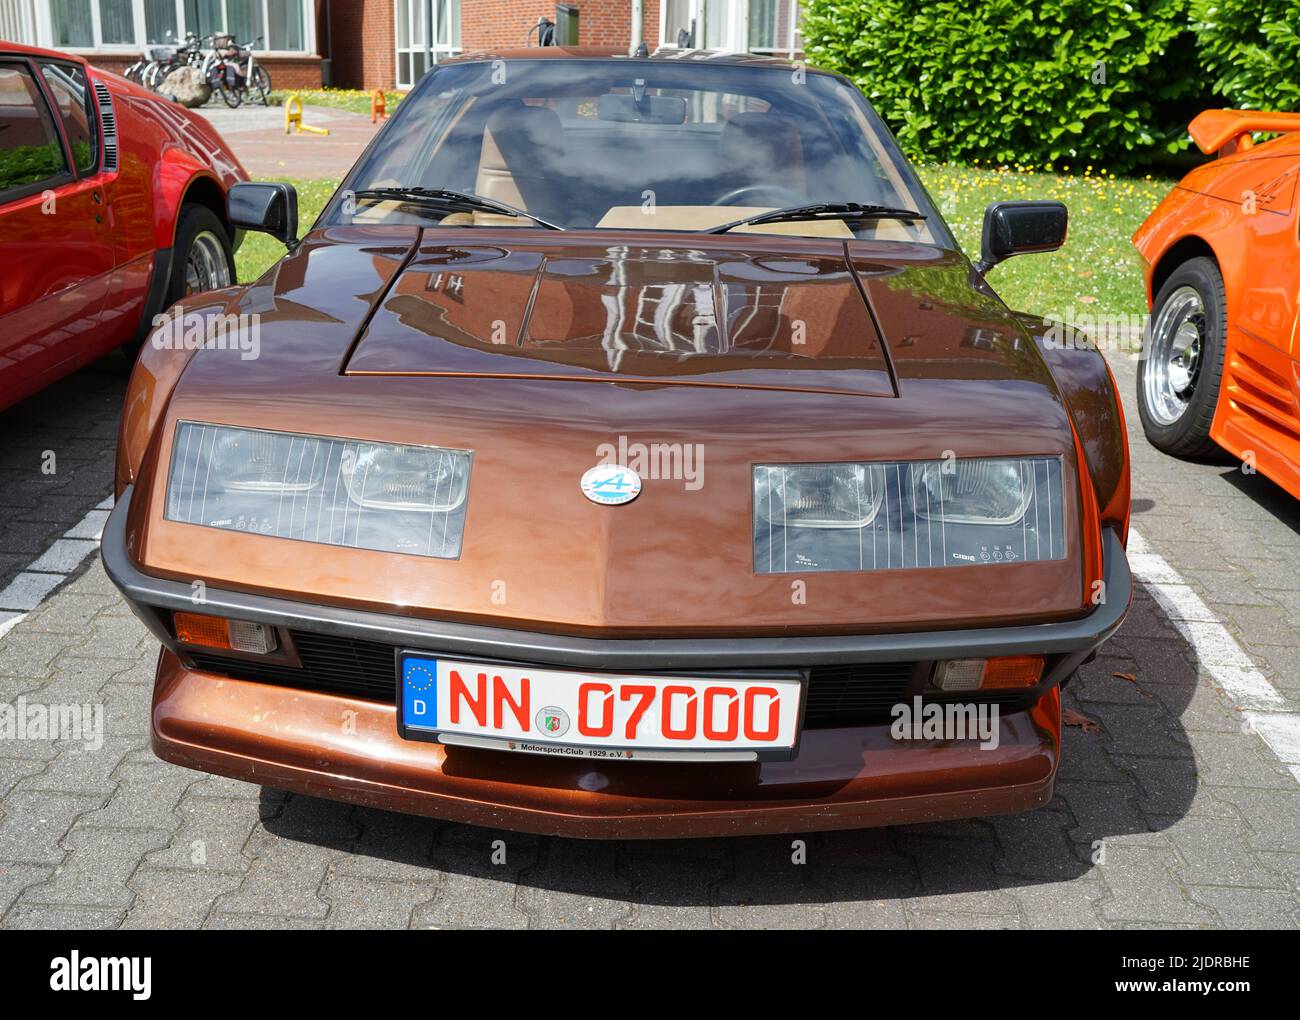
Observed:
{"x":843,"y":778}
{"x":969,"y":379}
{"x":496,"y":340}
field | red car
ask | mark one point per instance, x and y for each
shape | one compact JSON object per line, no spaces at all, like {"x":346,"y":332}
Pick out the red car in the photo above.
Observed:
{"x":112,"y":206}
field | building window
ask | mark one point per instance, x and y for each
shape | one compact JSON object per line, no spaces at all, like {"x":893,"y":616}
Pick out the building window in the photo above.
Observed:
{"x":774,"y":26}
{"x":282,"y":25}
{"x":72,"y":24}
{"x":160,"y":22}
{"x":204,"y":17}
{"x":285,"y":30}
{"x":426,"y":30}
{"x":762,"y":26}
{"x":17,"y":21}
{"x":116,"y":22}
{"x":244,"y":20}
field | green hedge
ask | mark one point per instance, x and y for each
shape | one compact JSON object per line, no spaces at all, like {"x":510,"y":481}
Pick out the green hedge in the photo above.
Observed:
{"x":1252,"y":48}
{"x":1111,"y":83}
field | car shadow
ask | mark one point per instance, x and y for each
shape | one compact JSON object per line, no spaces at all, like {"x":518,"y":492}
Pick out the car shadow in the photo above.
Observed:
{"x":1267,"y":494}
{"x":1128,"y":770}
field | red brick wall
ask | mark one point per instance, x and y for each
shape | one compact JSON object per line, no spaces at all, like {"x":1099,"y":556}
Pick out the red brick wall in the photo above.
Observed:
{"x":363,"y":50}
{"x":293,"y":72}
{"x":498,"y":24}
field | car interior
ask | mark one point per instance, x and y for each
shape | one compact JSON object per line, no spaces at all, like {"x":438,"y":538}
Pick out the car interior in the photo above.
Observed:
{"x":641,"y":159}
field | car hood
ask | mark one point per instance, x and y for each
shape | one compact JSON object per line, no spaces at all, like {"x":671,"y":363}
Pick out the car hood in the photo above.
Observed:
{"x":539,"y":355}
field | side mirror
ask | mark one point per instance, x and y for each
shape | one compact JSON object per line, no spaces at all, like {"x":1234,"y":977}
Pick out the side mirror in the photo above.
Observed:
{"x":1016,"y":228}
{"x":269,"y":208}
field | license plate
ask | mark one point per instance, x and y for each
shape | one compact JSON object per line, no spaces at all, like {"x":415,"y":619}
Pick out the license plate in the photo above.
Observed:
{"x":598,"y":715}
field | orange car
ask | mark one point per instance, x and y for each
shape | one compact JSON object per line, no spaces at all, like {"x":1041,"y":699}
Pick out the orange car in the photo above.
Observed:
{"x":1222,"y":265}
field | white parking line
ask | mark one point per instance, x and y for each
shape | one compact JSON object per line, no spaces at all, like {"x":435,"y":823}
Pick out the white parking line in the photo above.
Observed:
{"x":49,"y":570}
{"x":1227,"y":663}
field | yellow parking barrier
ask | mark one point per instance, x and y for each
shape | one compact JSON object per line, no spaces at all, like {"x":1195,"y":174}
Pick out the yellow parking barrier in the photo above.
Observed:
{"x":293,"y":118}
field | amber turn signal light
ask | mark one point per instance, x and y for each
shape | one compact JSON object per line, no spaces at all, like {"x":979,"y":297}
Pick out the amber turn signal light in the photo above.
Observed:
{"x":1006,"y":672}
{"x":1012,"y":671}
{"x":218,"y":632}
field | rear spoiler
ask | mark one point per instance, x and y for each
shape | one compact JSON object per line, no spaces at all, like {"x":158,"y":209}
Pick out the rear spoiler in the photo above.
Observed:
{"x":1228,"y":131}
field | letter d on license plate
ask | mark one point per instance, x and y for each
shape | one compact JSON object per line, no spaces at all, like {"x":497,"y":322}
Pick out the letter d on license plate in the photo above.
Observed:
{"x":598,"y":715}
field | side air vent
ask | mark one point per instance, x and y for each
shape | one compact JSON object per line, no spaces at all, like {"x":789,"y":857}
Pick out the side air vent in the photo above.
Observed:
{"x":109,"y":122}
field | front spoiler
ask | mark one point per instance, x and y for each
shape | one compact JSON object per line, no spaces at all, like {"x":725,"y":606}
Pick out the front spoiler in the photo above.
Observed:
{"x":848,"y":778}
{"x":1070,"y":641}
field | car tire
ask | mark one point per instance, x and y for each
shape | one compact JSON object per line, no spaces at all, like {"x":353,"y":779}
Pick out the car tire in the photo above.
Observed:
{"x":201,"y":257}
{"x":195,"y":222}
{"x":1181,"y":367}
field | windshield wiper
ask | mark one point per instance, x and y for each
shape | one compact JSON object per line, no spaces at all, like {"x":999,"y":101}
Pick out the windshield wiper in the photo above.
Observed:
{"x":823,"y":211}
{"x":453,"y":201}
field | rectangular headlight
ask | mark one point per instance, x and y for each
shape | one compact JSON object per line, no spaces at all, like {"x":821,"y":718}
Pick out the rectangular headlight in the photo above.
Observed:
{"x":904,"y":514}
{"x":384,"y":496}
{"x":819,"y":495}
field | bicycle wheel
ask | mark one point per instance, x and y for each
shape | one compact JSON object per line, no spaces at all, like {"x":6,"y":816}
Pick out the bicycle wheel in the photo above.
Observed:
{"x":225,"y":82}
{"x":260,"y":83}
{"x":230,"y":95}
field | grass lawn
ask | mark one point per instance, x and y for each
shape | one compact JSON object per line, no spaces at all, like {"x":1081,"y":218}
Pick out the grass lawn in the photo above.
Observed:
{"x":1096,"y":273}
{"x":260,"y":251}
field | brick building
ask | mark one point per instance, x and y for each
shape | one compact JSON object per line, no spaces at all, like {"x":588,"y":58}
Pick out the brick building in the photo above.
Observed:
{"x":399,"y":38}
{"x":383,"y":43}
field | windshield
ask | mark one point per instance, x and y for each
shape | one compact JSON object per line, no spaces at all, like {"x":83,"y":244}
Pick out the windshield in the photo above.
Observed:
{"x":636,"y":145}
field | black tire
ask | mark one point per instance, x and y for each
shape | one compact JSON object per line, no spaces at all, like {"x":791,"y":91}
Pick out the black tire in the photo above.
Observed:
{"x":230,"y":95}
{"x":1189,"y":434}
{"x":260,"y":84}
{"x":224,"y":81}
{"x":195,"y":221}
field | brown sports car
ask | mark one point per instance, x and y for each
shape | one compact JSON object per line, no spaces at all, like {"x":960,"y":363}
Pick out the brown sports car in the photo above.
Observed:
{"x":627,"y":450}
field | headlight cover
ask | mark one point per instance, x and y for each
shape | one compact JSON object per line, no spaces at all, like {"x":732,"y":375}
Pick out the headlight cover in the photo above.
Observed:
{"x":906,"y":514}
{"x":345,"y":492}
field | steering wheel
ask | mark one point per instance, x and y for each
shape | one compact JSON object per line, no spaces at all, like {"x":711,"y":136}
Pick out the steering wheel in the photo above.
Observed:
{"x":787,"y":196}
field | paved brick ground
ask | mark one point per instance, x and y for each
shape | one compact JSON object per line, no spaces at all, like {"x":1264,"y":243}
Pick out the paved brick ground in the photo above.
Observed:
{"x":256,"y":134}
{"x":1172,"y":815}
{"x":56,"y":460}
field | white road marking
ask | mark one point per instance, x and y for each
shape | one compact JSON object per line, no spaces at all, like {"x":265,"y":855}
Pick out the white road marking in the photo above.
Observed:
{"x":29,"y":588}
{"x":1227,"y":663}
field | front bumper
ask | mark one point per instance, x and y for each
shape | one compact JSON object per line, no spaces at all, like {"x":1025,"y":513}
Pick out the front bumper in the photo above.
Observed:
{"x":348,"y":748}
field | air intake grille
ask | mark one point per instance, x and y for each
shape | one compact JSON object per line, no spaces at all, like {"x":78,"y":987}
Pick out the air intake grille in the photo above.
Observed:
{"x":846,"y":695}
{"x":108,"y":121}
{"x":837,"y":695}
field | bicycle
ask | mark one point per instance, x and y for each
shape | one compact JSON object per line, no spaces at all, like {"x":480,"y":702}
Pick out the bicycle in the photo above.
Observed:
{"x":165,"y":59}
{"x":223,"y":71}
